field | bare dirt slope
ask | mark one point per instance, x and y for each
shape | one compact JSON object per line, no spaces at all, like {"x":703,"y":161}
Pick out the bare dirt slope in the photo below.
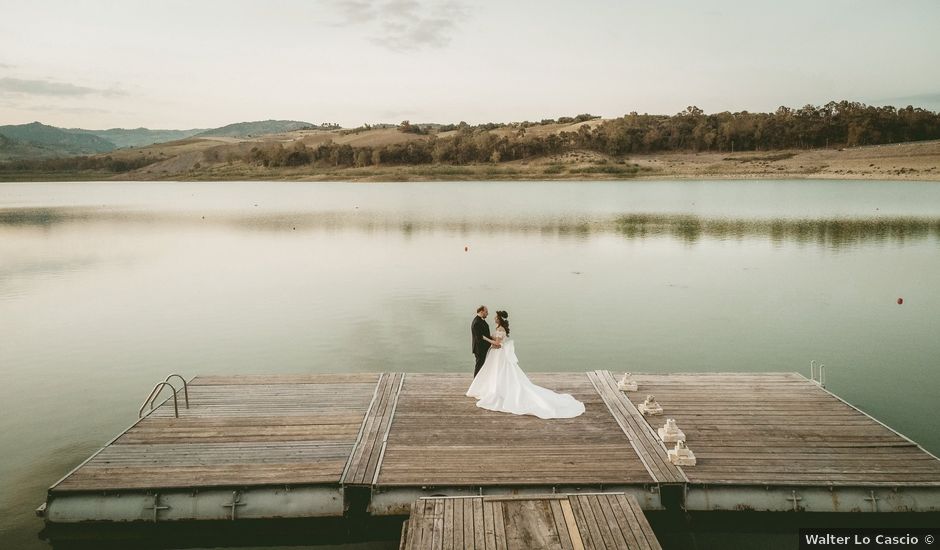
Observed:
{"x":902,"y":161}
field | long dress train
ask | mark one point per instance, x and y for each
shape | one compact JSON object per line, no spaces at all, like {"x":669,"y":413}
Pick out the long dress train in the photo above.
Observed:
{"x":502,"y":386}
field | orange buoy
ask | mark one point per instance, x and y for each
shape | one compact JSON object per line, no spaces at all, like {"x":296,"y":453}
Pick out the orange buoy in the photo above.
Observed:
{"x":900,"y":301}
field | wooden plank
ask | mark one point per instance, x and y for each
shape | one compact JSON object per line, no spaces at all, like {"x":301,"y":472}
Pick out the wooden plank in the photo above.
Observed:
{"x":414,"y":525}
{"x":586,"y":529}
{"x":427,"y":529}
{"x":355,"y":456}
{"x":629,"y":503}
{"x":594,"y":513}
{"x":382,"y":423}
{"x":372,"y":433}
{"x":499,"y":525}
{"x":448,"y":536}
{"x":561,"y":524}
{"x":413,"y":531}
{"x":288,"y":379}
{"x":185,"y":477}
{"x":388,"y":427}
{"x":574,"y":532}
{"x":366,"y":457}
{"x":479,"y":533}
{"x":358,"y":462}
{"x":459,"y":525}
{"x":623,"y":522}
{"x":468,"y":524}
{"x":509,"y":498}
{"x":437,"y":527}
{"x":618,"y":411}
{"x":489,"y":527}
{"x":404,"y":543}
{"x":645,"y":442}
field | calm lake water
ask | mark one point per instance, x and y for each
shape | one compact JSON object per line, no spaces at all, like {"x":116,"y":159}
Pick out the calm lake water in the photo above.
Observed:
{"x":107,"y":287}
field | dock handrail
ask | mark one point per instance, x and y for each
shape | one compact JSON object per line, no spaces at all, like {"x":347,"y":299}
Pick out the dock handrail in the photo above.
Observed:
{"x":819,"y":378}
{"x":153,"y":395}
{"x":185,"y":387}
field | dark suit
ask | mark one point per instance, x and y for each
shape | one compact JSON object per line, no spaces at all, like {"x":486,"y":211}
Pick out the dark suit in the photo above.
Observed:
{"x":478,"y":329}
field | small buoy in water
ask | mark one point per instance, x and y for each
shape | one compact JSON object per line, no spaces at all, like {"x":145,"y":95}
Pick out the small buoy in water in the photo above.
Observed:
{"x":900,"y":301}
{"x":466,"y":249}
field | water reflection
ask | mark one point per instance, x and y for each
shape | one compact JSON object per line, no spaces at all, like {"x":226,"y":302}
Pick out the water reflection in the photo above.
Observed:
{"x":832,"y":233}
{"x":827,"y":232}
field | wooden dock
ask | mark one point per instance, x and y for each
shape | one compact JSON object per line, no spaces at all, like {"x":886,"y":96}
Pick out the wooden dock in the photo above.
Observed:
{"x":584,"y":521}
{"x":327,"y":444}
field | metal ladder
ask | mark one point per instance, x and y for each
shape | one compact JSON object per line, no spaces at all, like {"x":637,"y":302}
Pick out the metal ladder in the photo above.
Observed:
{"x":817,"y":373}
{"x":158,"y":389}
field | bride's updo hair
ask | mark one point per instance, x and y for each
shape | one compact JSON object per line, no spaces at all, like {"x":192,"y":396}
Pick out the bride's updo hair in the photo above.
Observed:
{"x":503,"y":319}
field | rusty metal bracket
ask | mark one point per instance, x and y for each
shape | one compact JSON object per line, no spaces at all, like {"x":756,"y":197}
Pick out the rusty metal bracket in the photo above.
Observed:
{"x":795,"y":500}
{"x":236,"y":502}
{"x":156,"y":506}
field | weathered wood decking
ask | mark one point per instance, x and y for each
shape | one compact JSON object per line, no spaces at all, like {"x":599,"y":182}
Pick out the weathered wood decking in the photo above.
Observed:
{"x":439,"y":437}
{"x":548,"y":522}
{"x":239,"y":431}
{"x":370,"y":447}
{"x":647,"y":444}
{"x":777,"y":428}
{"x":297,"y":445}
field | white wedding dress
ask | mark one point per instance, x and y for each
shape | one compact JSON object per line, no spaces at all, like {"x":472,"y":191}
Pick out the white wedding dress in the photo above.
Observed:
{"x":502,"y":386}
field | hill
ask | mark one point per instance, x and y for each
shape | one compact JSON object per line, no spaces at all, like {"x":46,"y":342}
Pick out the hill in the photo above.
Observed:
{"x":837,"y":140}
{"x":40,"y":141}
{"x":43,"y":140}
{"x":11,"y":149}
{"x":138,"y":137}
{"x":257,"y":128}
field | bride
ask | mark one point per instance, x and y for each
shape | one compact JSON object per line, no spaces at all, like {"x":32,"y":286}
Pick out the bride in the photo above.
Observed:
{"x":502,"y":386}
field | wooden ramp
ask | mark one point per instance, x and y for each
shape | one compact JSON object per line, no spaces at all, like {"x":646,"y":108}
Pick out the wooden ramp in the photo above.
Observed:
{"x":646,"y":442}
{"x":536,"y":522}
{"x":370,"y":446}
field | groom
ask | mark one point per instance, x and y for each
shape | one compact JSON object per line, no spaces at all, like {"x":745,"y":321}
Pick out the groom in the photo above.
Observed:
{"x":480,"y":332}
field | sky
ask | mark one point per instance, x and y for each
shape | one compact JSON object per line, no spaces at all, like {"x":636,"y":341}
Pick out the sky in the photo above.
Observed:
{"x":206,"y":63}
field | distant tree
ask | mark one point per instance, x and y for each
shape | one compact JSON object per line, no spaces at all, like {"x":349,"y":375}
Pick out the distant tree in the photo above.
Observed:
{"x":409,"y":128}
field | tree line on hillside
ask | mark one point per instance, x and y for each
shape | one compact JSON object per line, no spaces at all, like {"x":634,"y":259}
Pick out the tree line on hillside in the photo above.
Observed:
{"x":832,"y":125}
{"x":96,"y":163}
{"x":843,"y":124}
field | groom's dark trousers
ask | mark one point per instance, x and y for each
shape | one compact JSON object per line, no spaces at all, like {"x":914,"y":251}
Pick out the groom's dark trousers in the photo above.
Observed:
{"x":478,"y":329}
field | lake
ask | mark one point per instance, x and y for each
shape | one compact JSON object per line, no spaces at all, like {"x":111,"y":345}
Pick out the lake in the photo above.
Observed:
{"x":105,"y":288}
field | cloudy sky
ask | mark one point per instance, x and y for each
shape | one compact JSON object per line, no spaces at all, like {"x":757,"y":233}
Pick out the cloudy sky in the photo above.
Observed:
{"x":183,"y":64}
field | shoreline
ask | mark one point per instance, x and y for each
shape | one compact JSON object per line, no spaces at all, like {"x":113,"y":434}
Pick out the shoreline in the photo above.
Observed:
{"x":913,"y":161}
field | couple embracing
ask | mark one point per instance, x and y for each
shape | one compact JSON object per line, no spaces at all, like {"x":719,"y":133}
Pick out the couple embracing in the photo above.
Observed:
{"x":500,"y":385}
